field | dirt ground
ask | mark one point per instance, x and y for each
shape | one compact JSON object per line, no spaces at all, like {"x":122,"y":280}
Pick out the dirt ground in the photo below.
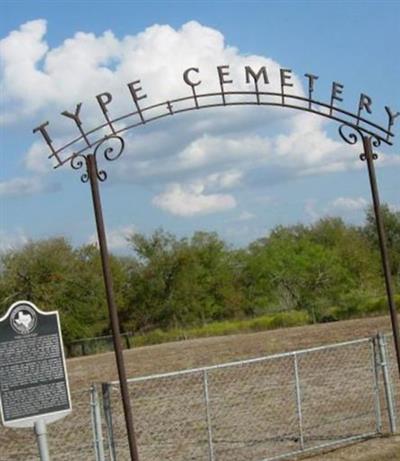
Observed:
{"x":383,"y":449}
{"x":194,"y":353}
{"x":71,"y":438}
{"x":209,"y":351}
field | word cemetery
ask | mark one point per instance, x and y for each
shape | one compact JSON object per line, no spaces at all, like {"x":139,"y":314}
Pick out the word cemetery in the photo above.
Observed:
{"x":259,"y":95}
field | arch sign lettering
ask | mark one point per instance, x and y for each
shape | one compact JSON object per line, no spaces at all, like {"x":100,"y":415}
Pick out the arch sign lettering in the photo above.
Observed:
{"x":358,"y":121}
{"x":81,"y":152}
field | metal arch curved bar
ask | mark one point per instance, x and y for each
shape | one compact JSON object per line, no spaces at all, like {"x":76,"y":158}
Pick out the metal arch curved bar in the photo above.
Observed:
{"x":78,"y":162}
{"x":359,"y":124}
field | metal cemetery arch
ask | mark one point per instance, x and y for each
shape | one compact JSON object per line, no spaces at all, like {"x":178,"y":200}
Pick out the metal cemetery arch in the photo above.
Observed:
{"x":82,"y":152}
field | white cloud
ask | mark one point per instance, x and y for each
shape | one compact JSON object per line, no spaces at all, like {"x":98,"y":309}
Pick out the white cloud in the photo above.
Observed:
{"x":348,"y":204}
{"x":214,"y":150}
{"x":246,"y":216}
{"x":388,"y":160}
{"x":12,"y":240}
{"x":218,"y":149}
{"x":17,"y":187}
{"x":311,"y":209}
{"x":36,"y":76}
{"x":36,"y":159}
{"x":20,"y":53}
{"x":224,"y":180}
{"x":347,"y":207}
{"x":41,"y":81}
{"x":310,"y":150}
{"x":117,"y":239}
{"x":191,"y":200}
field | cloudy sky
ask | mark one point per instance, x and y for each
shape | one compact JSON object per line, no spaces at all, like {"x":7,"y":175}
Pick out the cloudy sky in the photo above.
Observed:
{"x":239,"y":171}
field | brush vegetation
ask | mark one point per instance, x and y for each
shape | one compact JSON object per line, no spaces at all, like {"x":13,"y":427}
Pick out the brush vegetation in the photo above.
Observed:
{"x":172,"y":288}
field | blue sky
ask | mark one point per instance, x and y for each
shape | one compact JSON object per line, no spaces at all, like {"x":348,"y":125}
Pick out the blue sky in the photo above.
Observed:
{"x":239,"y":172}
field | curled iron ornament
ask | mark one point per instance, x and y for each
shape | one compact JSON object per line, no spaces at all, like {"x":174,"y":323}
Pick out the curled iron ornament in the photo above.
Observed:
{"x":77,"y":162}
{"x":351,"y":137}
{"x":108,"y":152}
{"x":354,"y":135}
{"x":363,"y":156}
{"x":376,"y":142}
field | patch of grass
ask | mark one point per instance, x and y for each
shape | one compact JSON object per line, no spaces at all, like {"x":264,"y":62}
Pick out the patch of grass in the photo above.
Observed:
{"x":353,"y":306}
{"x":228,"y":327}
{"x":356,"y":305}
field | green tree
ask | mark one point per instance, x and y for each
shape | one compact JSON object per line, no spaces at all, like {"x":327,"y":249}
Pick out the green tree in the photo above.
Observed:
{"x":151,"y":280}
{"x":55,"y":276}
{"x":291,"y":271}
{"x":354,"y":250}
{"x":216,"y":277}
{"x":391,"y":222}
{"x":90,"y":272}
{"x":181,"y":282}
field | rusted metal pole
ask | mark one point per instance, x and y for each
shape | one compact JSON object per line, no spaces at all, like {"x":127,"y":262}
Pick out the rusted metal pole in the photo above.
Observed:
{"x":94,"y":185}
{"x":369,"y":157}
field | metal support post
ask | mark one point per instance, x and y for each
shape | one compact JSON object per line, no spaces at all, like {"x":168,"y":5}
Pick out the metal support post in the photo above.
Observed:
{"x":369,"y":156}
{"x":387,"y":383}
{"x":127,"y":341}
{"x":96,"y":424}
{"x":92,"y":420}
{"x":41,"y":438}
{"x":208,"y":417}
{"x":298,"y":400}
{"x":93,"y":178}
{"x":375,"y":378}
{"x":105,"y":389}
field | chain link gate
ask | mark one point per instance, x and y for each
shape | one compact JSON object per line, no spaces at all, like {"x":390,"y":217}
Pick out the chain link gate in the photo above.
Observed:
{"x":262,"y":409}
{"x":255,"y":410}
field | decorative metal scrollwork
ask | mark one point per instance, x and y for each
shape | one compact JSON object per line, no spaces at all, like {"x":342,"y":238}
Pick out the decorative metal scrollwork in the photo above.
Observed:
{"x":109,"y":152}
{"x":353,"y":135}
{"x":77,"y":162}
{"x":363,"y":156}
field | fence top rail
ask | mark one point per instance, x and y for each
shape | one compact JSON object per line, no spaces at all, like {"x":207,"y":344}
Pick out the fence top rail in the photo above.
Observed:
{"x":99,"y":338}
{"x":243,"y":362}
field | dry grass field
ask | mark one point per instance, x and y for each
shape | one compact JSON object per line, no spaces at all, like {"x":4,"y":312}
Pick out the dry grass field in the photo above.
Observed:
{"x":382,"y":449}
{"x":210,"y":351}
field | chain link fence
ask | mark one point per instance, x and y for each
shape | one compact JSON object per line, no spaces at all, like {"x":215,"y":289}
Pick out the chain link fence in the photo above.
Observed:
{"x":70,"y":438}
{"x":255,"y":410}
{"x":262,"y":409}
{"x":97,"y":345}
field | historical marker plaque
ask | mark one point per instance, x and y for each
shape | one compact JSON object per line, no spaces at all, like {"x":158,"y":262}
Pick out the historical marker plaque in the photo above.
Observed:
{"x":33,"y":378}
